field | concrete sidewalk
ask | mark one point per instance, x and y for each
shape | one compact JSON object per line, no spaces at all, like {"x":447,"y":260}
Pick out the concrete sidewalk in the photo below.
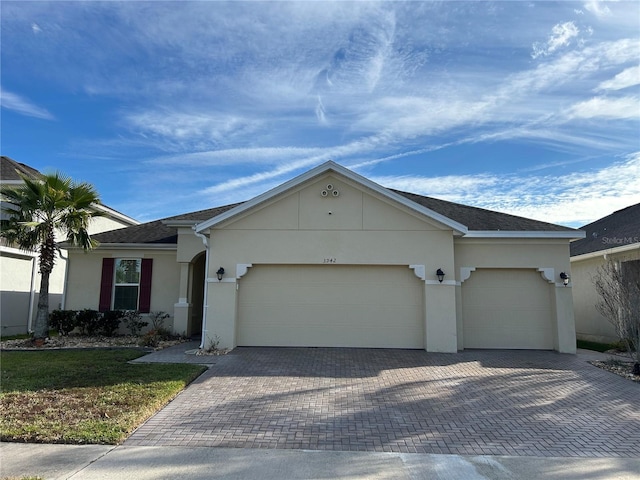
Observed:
{"x":98,"y":462}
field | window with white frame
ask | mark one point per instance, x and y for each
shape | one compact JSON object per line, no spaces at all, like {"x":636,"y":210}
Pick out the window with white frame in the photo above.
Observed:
{"x":126,"y":285}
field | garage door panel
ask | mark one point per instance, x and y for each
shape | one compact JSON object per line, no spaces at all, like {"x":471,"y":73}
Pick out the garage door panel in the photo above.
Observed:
{"x":331,"y":306}
{"x":507,"y":309}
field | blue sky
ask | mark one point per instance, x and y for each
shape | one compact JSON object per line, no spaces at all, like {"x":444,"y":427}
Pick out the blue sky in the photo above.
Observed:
{"x":530,"y":108}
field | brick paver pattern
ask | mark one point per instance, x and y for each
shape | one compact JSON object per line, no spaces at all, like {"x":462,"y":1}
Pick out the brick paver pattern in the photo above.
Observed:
{"x":527,"y":403}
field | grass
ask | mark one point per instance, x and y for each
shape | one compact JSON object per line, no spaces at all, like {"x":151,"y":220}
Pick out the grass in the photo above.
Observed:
{"x":83,"y":396}
{"x":598,"y":347}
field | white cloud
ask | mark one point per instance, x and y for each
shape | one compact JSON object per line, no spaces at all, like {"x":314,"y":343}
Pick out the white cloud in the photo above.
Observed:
{"x":12,"y":101}
{"x":598,"y":8}
{"x":561,"y":35}
{"x":191,"y":130}
{"x":574,"y":199}
{"x":627,"y":78}
{"x":602,"y":107}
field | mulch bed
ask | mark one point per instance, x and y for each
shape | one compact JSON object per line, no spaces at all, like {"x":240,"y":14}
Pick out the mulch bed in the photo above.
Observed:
{"x":617,"y":364}
{"x":83,"y":341}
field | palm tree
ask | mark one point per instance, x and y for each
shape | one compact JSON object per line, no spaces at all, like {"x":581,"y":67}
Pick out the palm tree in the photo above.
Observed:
{"x":38,"y":210}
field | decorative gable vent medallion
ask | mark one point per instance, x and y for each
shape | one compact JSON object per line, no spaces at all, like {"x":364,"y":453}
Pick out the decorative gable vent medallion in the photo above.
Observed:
{"x":329,"y":191}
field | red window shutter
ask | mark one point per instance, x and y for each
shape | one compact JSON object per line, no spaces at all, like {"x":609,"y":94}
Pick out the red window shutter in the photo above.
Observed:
{"x":106,"y":284}
{"x":145,"y":285}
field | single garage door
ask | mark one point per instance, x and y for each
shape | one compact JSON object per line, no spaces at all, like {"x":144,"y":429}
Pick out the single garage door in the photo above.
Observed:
{"x":331,"y":306}
{"x":507,"y":308}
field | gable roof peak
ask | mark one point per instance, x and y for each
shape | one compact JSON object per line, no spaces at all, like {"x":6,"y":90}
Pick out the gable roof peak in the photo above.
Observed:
{"x":330,"y":165}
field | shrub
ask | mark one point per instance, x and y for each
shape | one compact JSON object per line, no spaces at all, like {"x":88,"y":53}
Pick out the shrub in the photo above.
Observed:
{"x":133,"y":322}
{"x":64,"y":321}
{"x":111,"y":322}
{"x":157,"y":319}
{"x":88,"y":321}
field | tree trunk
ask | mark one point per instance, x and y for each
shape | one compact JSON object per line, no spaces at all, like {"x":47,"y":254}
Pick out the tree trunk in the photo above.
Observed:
{"x":41,"y":324}
{"x":47,"y":261}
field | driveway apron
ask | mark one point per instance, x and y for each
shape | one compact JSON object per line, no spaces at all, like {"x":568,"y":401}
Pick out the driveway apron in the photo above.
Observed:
{"x":527,"y":403}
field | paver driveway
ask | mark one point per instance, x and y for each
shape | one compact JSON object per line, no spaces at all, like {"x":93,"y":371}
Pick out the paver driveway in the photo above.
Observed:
{"x":473,"y":402}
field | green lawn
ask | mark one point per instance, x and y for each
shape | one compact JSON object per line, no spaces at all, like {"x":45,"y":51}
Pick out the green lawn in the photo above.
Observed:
{"x":83,"y":396}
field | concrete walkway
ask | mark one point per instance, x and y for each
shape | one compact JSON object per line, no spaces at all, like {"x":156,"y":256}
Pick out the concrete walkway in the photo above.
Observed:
{"x":95,"y":462}
{"x":614,"y":400}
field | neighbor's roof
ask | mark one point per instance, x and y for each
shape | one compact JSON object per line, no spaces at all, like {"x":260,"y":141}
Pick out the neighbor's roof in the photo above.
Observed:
{"x":621,"y":228}
{"x":479,"y":219}
{"x":10,"y":170}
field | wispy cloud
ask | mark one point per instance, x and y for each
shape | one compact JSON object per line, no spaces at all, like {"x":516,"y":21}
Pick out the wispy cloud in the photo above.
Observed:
{"x":573,"y":199}
{"x":614,"y":108}
{"x":190,"y":130}
{"x":627,"y":78}
{"x":18,"y":104}
{"x":598,"y":7}
{"x":561,"y":35}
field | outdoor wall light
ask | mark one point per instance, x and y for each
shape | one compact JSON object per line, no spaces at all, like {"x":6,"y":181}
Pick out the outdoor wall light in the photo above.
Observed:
{"x":220,"y":273}
{"x":565,"y":278}
{"x":440,"y":275}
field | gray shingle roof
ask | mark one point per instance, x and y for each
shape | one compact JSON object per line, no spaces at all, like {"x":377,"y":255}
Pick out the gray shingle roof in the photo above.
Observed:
{"x":157,"y":232}
{"x":615,"y":230}
{"x":481,"y":219}
{"x":10,"y":170}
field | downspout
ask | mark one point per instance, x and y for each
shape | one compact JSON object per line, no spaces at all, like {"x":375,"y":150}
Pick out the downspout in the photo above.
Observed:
{"x":63,"y":301}
{"x":205,"y":302}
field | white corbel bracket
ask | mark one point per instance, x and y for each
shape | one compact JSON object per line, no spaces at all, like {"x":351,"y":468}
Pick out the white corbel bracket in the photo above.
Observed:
{"x":242,"y":269}
{"x":548,"y":274}
{"x":465,"y":273}
{"x":419,"y":271}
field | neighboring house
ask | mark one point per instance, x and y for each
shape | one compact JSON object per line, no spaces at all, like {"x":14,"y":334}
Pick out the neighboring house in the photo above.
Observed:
{"x":19,"y":276}
{"x":333,"y":259}
{"x":614,"y":237}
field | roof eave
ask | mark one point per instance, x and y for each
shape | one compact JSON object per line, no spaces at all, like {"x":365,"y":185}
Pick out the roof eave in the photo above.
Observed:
{"x":115,"y":214}
{"x":130,"y":246}
{"x":180,"y":223}
{"x":605,"y":252}
{"x":563,"y":234}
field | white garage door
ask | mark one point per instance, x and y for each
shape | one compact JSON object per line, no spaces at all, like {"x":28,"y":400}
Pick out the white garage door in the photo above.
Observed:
{"x":331,"y":306}
{"x":504,"y":308}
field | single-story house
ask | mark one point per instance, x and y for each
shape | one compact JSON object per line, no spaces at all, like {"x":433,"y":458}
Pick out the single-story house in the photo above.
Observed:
{"x":333,"y":259}
{"x":19,"y":273}
{"x":614,"y":237}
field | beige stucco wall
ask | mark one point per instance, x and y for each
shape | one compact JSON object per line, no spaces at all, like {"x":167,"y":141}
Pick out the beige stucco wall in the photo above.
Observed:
{"x":20,"y":286}
{"x":357,"y":227}
{"x":590,"y":325}
{"x":106,"y":223}
{"x":83,"y":285}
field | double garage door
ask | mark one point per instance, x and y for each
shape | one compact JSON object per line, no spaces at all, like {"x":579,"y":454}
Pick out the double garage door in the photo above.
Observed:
{"x":331,"y":306}
{"x":383,"y":307}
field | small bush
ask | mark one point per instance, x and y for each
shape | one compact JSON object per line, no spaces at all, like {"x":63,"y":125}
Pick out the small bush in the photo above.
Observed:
{"x":89,"y":321}
{"x":111,"y":322}
{"x":132,"y":320}
{"x":157,"y":319}
{"x":154,"y":336}
{"x":64,"y":321}
{"x":622,"y":345}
